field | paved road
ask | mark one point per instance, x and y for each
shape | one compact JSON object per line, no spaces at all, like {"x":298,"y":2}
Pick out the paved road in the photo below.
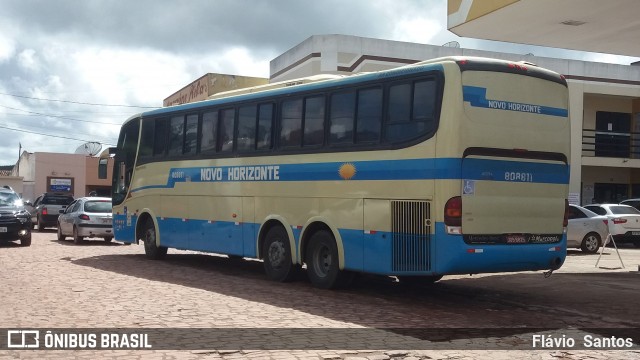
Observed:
{"x":97,"y":285}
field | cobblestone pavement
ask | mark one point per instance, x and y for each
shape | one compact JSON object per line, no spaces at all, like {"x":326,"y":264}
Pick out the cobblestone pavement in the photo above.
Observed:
{"x":55,"y":285}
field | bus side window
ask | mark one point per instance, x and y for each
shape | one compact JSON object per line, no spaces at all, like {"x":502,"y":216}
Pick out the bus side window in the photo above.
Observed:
{"x":247,"y":122}
{"x":313,"y":121}
{"x":176,"y":136}
{"x":146,"y":142}
{"x":160,"y":137}
{"x":225,"y":135}
{"x":411,"y":111}
{"x":369,"y":120}
{"x":209,"y":135}
{"x":342,"y":118}
{"x":424,"y":103}
{"x":265,"y":124}
{"x":191,"y":135}
{"x":291,"y":123}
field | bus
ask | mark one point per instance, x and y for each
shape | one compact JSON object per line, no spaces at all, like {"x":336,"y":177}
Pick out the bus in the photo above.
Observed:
{"x":456,"y":165}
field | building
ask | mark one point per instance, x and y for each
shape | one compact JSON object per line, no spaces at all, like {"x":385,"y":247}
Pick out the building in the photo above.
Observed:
{"x":210,"y":84}
{"x":604,"y":102}
{"x":610,"y":27}
{"x":75,"y":174}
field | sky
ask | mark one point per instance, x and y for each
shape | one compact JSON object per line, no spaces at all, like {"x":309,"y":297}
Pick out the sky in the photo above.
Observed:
{"x":72,"y":71}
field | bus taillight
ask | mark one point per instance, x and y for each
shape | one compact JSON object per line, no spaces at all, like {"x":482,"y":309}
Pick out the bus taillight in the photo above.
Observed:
{"x":453,"y":212}
{"x":565,"y":222}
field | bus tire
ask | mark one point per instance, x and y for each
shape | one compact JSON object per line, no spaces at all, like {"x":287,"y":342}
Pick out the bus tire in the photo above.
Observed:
{"x":323,"y":267}
{"x":151,"y":250}
{"x":278,"y":263}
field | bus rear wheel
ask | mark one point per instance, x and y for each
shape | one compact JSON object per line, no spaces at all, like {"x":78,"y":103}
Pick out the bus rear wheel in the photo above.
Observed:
{"x":323,"y":268}
{"x":151,"y":250}
{"x":278,"y":263}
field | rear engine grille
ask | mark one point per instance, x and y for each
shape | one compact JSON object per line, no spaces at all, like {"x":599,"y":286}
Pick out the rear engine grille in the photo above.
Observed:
{"x":411,"y":235}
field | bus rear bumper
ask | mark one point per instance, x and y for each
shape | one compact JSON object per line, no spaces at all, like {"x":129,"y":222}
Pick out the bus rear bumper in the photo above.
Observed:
{"x":454,"y":256}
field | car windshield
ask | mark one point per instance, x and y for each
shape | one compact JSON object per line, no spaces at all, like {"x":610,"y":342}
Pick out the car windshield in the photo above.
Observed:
{"x":9,"y":199}
{"x":98,"y":206}
{"x":624,"y":210}
{"x":57,"y":200}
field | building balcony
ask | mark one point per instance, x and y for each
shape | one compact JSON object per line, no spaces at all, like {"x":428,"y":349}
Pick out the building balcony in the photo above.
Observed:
{"x":608,"y":148}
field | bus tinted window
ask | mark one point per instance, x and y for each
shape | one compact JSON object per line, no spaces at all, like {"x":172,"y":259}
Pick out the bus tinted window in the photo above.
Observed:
{"x":209,"y":132}
{"x":146,"y":142}
{"x":176,"y":136}
{"x":314,"y":121}
{"x":191,"y":135}
{"x":265,"y":123}
{"x":410,"y":111}
{"x":247,"y":128}
{"x":424,"y":99}
{"x":399,"y":103}
{"x":160,"y":137}
{"x":369,"y":115}
{"x":227,"y":120}
{"x":291,"y":123}
{"x":342,"y":116}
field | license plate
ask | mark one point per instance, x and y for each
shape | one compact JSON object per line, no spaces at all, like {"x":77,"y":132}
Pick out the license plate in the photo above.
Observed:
{"x":106,"y":221}
{"x":635,"y":233}
{"x":516,"y":239}
{"x":3,"y":229}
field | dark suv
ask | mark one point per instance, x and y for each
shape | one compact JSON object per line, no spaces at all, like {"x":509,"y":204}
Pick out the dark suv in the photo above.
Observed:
{"x":15,"y":221}
{"x":47,"y":207}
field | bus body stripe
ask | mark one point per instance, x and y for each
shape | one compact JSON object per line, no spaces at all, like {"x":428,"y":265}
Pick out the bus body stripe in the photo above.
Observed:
{"x":413,"y":169}
{"x":477,"y":97}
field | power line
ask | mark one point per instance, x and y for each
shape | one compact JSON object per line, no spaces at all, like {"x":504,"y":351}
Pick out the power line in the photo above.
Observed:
{"x":58,"y":116}
{"x":79,"y":102}
{"x":49,"y":135}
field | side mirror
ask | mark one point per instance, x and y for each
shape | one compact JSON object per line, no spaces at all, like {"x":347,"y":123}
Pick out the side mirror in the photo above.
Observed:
{"x":28,"y":203}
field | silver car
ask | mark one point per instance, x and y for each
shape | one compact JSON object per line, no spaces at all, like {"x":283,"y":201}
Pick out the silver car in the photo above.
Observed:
{"x":86,"y":217}
{"x":586,"y":230}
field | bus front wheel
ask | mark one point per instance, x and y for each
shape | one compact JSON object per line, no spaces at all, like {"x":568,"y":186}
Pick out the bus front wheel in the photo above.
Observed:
{"x":151,"y":250}
{"x":278,"y":263}
{"x":323,"y":268}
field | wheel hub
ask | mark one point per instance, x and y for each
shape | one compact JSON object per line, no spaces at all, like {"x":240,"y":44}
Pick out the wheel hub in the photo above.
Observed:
{"x":276,"y":254}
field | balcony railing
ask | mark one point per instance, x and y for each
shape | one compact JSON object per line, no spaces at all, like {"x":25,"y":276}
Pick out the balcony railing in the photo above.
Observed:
{"x":610,"y":144}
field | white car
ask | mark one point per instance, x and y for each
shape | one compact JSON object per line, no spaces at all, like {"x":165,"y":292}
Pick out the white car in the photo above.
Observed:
{"x":624,"y":221}
{"x":586,"y":230}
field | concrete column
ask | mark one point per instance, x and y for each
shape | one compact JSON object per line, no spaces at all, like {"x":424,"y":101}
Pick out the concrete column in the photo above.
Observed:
{"x":576,"y":102}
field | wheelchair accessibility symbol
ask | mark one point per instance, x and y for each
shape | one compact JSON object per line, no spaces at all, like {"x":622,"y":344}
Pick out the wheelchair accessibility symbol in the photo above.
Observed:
{"x":469,"y":187}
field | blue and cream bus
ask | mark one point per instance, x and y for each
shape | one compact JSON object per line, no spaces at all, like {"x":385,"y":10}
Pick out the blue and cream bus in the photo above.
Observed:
{"x":448,"y":166}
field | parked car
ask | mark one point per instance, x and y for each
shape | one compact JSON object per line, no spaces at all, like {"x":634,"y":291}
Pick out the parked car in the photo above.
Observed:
{"x":87,"y":217}
{"x":631,"y":202}
{"x":46,"y":209}
{"x":15,"y":220}
{"x":586,"y":230}
{"x":624,"y":221}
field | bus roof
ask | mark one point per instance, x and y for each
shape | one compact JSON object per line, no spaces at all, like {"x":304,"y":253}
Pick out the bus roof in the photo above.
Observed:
{"x":325,"y":80}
